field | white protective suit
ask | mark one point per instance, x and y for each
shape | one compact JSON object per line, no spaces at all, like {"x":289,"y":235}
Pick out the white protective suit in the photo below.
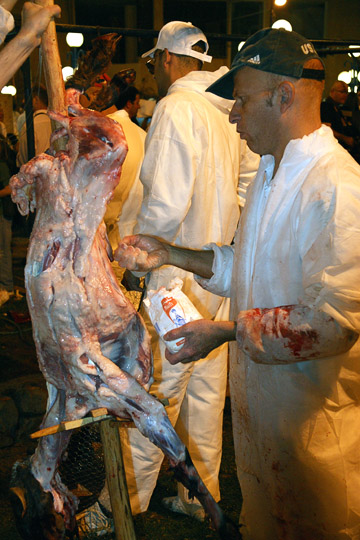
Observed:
{"x":190,"y":176}
{"x":120,"y":216}
{"x":296,"y":420}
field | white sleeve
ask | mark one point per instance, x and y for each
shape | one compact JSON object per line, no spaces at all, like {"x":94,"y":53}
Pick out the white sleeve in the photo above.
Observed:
{"x":288,"y":334}
{"x":249,"y":165}
{"x":6,"y":23}
{"x":168,"y":174}
{"x":130,"y":209}
{"x":329,"y":237}
{"x":220,"y":282}
{"x":22,"y":155}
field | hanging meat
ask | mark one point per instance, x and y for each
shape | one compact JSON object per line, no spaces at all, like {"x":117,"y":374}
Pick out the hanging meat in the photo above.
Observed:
{"x":92,"y":345}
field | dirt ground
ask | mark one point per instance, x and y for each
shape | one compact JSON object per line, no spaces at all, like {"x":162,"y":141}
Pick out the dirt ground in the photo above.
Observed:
{"x":18,"y":358}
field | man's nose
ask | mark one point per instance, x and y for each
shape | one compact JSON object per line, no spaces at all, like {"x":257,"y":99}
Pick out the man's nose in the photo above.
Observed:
{"x":234,"y":115}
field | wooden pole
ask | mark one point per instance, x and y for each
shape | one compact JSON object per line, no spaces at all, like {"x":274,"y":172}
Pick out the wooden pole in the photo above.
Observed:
{"x":116,"y":481}
{"x":53,"y":74}
{"x":97,"y":415}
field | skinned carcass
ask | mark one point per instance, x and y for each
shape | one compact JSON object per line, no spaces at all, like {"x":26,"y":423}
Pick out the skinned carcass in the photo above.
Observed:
{"x":93,"y":347}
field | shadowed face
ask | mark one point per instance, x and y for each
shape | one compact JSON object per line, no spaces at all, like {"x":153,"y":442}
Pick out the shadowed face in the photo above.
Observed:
{"x":255,"y":112}
{"x":133,"y":106}
{"x":160,"y":75}
{"x":339,"y":92}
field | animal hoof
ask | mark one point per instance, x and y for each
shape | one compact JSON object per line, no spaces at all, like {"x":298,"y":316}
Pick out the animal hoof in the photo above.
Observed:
{"x":33,"y":508}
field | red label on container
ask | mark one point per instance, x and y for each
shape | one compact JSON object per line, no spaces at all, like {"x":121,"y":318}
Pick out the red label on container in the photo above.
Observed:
{"x":168,"y":304}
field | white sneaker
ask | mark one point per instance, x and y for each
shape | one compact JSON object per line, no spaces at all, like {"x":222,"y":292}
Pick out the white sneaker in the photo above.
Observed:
{"x":176,"y":504}
{"x":93,"y":520}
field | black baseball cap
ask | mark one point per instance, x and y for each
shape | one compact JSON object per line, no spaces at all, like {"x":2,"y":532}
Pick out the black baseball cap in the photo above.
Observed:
{"x":275,"y":51}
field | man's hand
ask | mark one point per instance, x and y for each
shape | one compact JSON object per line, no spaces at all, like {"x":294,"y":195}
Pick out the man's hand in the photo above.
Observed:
{"x":141,"y":253}
{"x":8,"y":4}
{"x":201,"y":337}
{"x":35,"y":20}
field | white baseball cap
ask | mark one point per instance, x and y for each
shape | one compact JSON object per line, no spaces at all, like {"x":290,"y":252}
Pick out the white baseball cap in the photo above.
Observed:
{"x":178,"y":37}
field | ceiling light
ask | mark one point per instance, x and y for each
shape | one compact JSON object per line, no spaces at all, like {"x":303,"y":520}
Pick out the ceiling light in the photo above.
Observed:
{"x":282,"y":23}
{"x":67,"y":71}
{"x":74,"y":39}
{"x":11,"y":90}
{"x":345,"y":76}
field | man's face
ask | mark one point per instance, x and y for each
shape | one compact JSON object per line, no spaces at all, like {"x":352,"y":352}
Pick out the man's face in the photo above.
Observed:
{"x":254,"y":111}
{"x":339,"y":92}
{"x":160,"y":75}
{"x":134,"y":106}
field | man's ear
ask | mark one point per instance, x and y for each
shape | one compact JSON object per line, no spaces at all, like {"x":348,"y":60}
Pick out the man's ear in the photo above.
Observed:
{"x":166,"y":57}
{"x":287,"y":95}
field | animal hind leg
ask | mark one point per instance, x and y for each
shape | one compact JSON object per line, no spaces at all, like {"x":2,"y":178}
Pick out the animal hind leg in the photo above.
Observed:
{"x":48,"y":507}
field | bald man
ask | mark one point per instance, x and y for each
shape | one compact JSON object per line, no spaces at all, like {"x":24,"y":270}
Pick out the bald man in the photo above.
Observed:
{"x":333,"y":116}
{"x":293,"y":278}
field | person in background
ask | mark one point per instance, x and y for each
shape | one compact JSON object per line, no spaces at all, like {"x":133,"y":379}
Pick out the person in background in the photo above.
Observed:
{"x":3,"y":131}
{"x":6,"y":215}
{"x":20,"y":121}
{"x":333,"y":116}
{"x":42,"y":126}
{"x":356,"y":112}
{"x":118,"y":86}
{"x":293,"y":275}
{"x":34,"y":21}
{"x":13,"y":143}
{"x":120,"y":216}
{"x":190,"y":176}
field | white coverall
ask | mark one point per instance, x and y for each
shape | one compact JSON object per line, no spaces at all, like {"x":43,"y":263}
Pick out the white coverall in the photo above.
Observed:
{"x":190,"y":176}
{"x":296,"y":414}
{"x":120,"y":216}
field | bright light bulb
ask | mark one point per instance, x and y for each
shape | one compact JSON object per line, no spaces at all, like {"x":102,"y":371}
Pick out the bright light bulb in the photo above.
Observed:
{"x":356,"y":54}
{"x":280,"y":3}
{"x":240,"y":45}
{"x":74,"y":39}
{"x":9,"y":90}
{"x":345,"y":76}
{"x":282,"y":23}
{"x":67,"y":71}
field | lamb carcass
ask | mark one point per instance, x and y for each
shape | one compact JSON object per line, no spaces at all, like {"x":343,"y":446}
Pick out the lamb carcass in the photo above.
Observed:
{"x":93,"y":347}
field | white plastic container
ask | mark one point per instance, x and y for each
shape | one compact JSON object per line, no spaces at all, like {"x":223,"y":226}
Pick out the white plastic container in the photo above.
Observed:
{"x":169,"y":309}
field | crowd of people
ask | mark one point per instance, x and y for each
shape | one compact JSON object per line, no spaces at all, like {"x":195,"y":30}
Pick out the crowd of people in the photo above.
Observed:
{"x":35,"y":20}
{"x":247,"y":187}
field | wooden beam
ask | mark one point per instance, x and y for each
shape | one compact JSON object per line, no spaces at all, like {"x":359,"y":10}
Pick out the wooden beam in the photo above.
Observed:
{"x":53,"y":74}
{"x":116,"y":481}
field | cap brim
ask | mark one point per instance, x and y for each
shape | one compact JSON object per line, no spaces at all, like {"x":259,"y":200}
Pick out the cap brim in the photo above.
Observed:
{"x":224,"y":86}
{"x":149,"y":53}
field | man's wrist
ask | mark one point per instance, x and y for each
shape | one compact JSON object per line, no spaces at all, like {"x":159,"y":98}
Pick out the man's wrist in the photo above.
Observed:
{"x":27,"y":39}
